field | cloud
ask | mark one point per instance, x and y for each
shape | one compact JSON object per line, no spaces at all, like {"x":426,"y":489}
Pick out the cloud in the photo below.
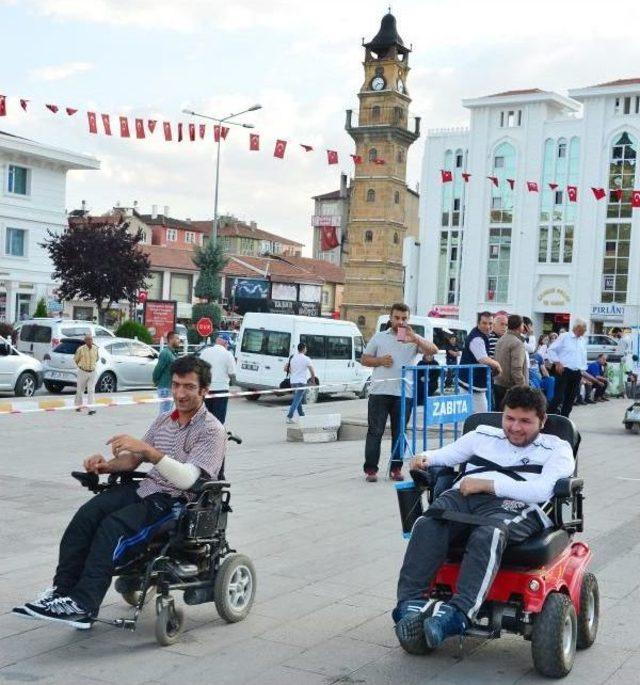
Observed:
{"x":58,"y":72}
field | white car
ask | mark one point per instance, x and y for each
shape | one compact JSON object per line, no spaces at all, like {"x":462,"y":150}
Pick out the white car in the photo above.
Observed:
{"x":38,"y":337}
{"x":123,"y":364}
{"x":19,"y":373}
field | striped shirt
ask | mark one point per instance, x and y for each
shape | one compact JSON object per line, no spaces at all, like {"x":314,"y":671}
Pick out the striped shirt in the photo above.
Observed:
{"x":86,"y":358}
{"x":493,"y":341}
{"x":202,"y":442}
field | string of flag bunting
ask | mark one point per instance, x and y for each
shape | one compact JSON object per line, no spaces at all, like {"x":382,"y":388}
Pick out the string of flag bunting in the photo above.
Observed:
{"x":616,"y":194}
{"x":142,"y":127}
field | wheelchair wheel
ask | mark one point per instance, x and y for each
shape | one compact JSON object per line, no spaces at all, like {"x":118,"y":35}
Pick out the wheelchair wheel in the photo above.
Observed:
{"x":553,"y":642}
{"x":234,"y":588}
{"x":589,"y":612}
{"x":169,"y":625}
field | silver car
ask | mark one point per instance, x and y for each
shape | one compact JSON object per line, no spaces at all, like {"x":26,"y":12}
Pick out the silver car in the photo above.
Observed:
{"x":19,"y":373}
{"x":598,"y":343}
{"x":123,"y":364}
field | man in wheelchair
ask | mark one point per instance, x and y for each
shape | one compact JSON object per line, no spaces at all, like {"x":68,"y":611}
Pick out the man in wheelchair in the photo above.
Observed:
{"x":508,"y":474}
{"x":182,"y":446}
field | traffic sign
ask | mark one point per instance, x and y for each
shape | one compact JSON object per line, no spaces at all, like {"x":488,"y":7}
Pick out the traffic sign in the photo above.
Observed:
{"x":204,"y":327}
{"x":142,"y":296}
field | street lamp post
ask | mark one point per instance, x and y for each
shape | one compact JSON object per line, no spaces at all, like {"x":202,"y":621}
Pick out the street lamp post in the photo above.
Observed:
{"x":224,"y":120}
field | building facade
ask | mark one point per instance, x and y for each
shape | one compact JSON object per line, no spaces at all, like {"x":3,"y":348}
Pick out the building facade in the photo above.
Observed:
{"x":377,"y":226}
{"x":331,"y":211}
{"x":494,"y":241}
{"x":32,"y":201}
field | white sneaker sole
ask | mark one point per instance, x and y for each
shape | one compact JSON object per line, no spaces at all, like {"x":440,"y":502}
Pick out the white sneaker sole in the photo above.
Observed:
{"x":72,"y":624}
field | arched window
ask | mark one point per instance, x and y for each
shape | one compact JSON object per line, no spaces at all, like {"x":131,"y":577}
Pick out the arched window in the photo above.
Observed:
{"x":375,"y":113}
{"x":362,"y":322}
{"x":400,"y":156}
{"x":396,"y":197}
{"x":373,"y":154}
{"x":368,"y":236}
{"x":396,"y":238}
{"x":371,"y":195}
{"x":562,"y":148}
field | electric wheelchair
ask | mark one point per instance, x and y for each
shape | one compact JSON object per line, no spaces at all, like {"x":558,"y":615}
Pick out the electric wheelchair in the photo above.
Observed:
{"x":543,"y":590}
{"x":187,"y":549}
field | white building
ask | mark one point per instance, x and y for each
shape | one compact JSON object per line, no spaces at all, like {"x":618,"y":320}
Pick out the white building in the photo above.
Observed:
{"x":487,"y":246}
{"x":331,"y":209}
{"x":32,"y":200}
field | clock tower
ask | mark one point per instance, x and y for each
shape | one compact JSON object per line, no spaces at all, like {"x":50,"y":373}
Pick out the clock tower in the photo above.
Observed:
{"x":377,"y":222}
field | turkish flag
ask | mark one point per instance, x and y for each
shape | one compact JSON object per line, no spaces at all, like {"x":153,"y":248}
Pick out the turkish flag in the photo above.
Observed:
{"x":446,"y":176}
{"x":328,"y":238}
{"x":70,"y":111}
{"x":166,"y":125}
{"x":511,"y":182}
{"x":192,"y":132}
{"x":466,"y":176}
{"x":572,"y":192}
{"x":52,"y":108}
{"x":124,"y":127}
{"x":106,"y":124}
{"x":307,"y":148}
{"x":180,"y":132}
{"x":532,"y":186}
{"x":635,"y":198}
{"x":357,"y":159}
{"x":23,"y":104}
{"x":254,"y":141}
{"x":377,"y":160}
{"x":223,"y":132}
{"x":151,"y":123}
{"x":202,"y":130}
{"x":93,"y":124}
{"x":139,"y":128}
{"x":599,"y":193}
{"x":494,"y":180}
{"x":553,"y":186}
{"x":216,"y":133}
{"x":281,"y":146}
{"x":616,"y":193}
{"x":3,"y":105}
{"x":332,"y":157}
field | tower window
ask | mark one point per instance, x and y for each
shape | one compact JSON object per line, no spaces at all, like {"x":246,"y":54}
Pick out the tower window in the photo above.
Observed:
{"x":373,"y":154}
{"x":396,"y":197}
{"x":459,"y":160}
{"x":362,"y":321}
{"x":400,"y":156}
{"x":371,"y":195}
{"x":375,"y":113}
{"x":368,"y":236}
{"x":396,"y":238}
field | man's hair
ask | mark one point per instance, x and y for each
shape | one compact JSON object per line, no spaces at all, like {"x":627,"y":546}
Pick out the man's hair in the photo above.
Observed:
{"x":527,"y":321}
{"x":399,"y":307}
{"x":190,"y":363}
{"x":170,"y":334}
{"x":514,"y":321}
{"x":302,"y":346}
{"x":578,"y":322}
{"x":484,"y":315}
{"x":524,"y":397}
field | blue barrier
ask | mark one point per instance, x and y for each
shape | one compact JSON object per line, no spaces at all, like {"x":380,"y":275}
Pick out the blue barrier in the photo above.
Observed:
{"x":447,"y":398}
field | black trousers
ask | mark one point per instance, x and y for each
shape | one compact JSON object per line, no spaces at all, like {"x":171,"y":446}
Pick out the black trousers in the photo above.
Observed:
{"x":380,"y":407}
{"x":499,"y":393}
{"x":567,"y":388}
{"x":218,"y":405}
{"x":85,"y":564}
{"x":431,"y":537}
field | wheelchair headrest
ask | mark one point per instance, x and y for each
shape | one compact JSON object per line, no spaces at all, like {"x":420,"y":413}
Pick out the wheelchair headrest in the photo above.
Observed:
{"x":557,"y":425}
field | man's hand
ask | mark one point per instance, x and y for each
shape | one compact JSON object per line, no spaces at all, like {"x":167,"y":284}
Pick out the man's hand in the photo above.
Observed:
{"x":386,"y":361}
{"x":473,"y":486}
{"x":96,"y":463}
{"x":559,"y":367}
{"x":127,"y":443}
{"x":419,"y":462}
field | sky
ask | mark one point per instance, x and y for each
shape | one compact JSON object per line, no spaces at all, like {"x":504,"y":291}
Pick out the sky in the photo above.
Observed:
{"x":301,"y":60}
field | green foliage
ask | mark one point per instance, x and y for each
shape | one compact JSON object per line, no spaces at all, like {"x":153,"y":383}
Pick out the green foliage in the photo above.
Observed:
{"x":193,"y":337}
{"x":6,"y":329}
{"x":133,"y":329}
{"x":211,"y":261}
{"x":41,"y":309}
{"x":211,"y":311}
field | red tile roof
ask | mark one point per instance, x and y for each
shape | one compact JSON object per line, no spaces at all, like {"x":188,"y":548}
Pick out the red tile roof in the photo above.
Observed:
{"x":524,"y":91}
{"x":170,"y":258}
{"x":331,"y":273}
{"x":333,"y":195}
{"x":266,"y":267}
{"x":619,"y":82}
{"x":170,"y":222}
{"x":242,"y":230}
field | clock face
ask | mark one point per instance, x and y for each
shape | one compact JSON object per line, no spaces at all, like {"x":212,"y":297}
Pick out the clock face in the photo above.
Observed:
{"x":400,"y":86}
{"x":378,"y":83}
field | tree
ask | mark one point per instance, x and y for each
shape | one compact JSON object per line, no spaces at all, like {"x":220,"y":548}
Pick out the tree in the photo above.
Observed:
{"x":211,"y":261}
{"x":41,"y":309}
{"x":133,"y":329}
{"x":209,"y":310}
{"x":101,"y":263}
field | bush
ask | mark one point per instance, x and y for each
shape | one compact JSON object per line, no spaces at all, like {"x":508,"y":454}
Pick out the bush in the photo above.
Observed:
{"x":6,"y":329}
{"x":211,"y":311}
{"x":41,"y":309}
{"x":193,"y":337}
{"x":133,"y":329}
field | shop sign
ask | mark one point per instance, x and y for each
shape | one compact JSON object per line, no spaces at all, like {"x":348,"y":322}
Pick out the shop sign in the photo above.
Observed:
{"x":282,"y":307}
{"x":160,"y":317}
{"x":608,"y":312}
{"x":325,"y":220}
{"x":554,"y":297}
{"x":446,"y":311}
{"x":308,"y":309}
{"x":251,"y":288}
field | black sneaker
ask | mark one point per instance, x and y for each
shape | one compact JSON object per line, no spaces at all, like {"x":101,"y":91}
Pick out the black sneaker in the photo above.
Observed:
{"x":46,"y":596}
{"x":62,"y":610}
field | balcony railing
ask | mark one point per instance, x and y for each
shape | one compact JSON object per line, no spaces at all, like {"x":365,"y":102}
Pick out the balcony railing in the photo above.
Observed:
{"x":383,"y":116}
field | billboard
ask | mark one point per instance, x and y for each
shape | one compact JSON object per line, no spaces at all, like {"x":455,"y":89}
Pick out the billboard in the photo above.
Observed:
{"x":160,"y":317}
{"x":251,"y":288}
{"x":284,"y":291}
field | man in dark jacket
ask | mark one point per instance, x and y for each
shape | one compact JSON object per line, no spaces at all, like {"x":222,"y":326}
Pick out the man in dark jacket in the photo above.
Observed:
{"x":162,"y":371}
{"x":476,"y":351}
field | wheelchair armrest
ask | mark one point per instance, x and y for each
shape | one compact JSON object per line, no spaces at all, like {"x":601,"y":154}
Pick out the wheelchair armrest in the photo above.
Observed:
{"x":234,"y":438}
{"x":211,"y":486}
{"x":566,"y":487}
{"x":126,"y":476}
{"x":422,"y":478}
{"x":90,"y":481}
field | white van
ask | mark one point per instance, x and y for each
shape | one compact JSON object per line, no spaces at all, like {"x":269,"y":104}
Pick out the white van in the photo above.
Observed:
{"x":435,"y":329}
{"x":39,"y":337}
{"x":266,"y":342}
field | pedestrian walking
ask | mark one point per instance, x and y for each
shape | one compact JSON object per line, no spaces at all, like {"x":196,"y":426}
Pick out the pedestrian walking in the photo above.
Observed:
{"x":513,"y":359}
{"x":86,"y":359}
{"x":162,"y":371}
{"x":299,"y":368}
{"x":387,"y":352}
{"x":476,"y":351}
{"x":568,"y":355}
{"x":498,"y":329}
{"x":223,"y":372}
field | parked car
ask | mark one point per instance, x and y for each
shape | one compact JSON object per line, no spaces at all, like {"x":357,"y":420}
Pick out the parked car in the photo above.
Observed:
{"x":181,"y":330}
{"x":19,"y":373}
{"x":39,"y":336}
{"x":598,"y":343}
{"x":123,"y":364}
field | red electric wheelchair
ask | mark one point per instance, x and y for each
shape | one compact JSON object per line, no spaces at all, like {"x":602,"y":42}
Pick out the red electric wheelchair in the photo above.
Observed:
{"x":543,"y":590}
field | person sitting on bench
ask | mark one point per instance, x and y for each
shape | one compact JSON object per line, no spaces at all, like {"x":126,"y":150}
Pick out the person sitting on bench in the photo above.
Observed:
{"x":509,"y":473}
